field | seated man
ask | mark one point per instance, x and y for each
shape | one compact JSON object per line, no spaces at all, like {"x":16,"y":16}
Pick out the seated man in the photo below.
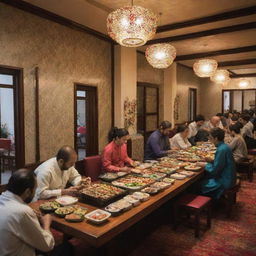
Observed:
{"x":54,"y":174}
{"x":247,"y":130}
{"x":21,"y":231}
{"x":194,"y":128}
{"x":214,"y":122}
{"x":220,"y":174}
{"x":158,"y":144}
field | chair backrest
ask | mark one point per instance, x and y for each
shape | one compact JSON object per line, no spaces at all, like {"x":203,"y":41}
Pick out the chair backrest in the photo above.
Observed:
{"x":93,"y":167}
{"x":5,"y":144}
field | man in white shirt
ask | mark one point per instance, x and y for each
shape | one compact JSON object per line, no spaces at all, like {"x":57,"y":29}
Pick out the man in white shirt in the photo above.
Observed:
{"x":194,"y":127}
{"x":214,"y":122}
{"x":54,"y":174}
{"x":21,"y":232}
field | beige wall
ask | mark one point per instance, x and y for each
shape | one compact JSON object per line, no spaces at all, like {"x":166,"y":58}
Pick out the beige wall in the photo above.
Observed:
{"x":148,"y":74}
{"x":64,"y":56}
{"x":211,"y":95}
{"x":186,"y":79}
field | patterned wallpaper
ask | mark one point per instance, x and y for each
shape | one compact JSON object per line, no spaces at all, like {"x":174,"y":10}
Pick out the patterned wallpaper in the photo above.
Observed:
{"x":64,"y":56}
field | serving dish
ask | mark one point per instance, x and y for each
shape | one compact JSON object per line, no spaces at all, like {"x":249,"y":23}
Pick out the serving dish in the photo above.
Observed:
{"x":63,"y":211}
{"x":97,"y":216}
{"x":49,"y":206}
{"x":150,"y":190}
{"x":192,"y":168}
{"x":133,"y":182}
{"x":101,"y":194}
{"x":169,"y":180}
{"x":74,"y":217}
{"x":141,"y":196}
{"x":187,"y":173}
{"x":131,"y":200}
{"x":160,"y":185}
{"x":178,"y":176}
{"x":66,"y":200}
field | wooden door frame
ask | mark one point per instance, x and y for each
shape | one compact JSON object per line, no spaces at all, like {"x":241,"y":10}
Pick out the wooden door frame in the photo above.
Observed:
{"x":195,"y":105}
{"x":18,"y":90}
{"x":95,"y":144}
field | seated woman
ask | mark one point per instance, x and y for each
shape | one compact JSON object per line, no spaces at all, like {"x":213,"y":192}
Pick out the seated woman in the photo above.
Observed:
{"x":180,"y":140}
{"x":158,"y":144}
{"x":220,"y":173}
{"x":237,"y":145}
{"x":114,"y":156}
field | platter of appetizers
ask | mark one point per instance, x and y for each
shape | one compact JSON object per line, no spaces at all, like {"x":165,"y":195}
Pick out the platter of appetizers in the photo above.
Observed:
{"x":63,"y":211}
{"x":49,"y":206}
{"x":97,"y":216}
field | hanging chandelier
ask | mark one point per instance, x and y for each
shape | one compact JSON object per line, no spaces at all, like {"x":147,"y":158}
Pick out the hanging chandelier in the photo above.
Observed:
{"x":131,"y":26}
{"x":243,"y":83}
{"x":160,"y":55}
{"x":205,"y":67}
{"x":221,"y":76}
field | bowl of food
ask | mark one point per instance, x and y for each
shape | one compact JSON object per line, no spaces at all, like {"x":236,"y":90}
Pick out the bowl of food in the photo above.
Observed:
{"x":178,"y":176}
{"x":187,"y":173}
{"x":63,"y":211}
{"x":50,"y":206}
{"x":193,"y":168}
{"x":97,"y":216}
{"x":131,"y":200}
{"x":142,"y":196}
{"x":150,"y":190}
{"x":113,"y":209}
{"x":74,"y":217}
{"x":169,"y":180}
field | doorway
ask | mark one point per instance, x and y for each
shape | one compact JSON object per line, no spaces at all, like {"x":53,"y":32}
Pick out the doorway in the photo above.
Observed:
{"x":11,"y":122}
{"x":86,"y":121}
{"x":192,"y":102}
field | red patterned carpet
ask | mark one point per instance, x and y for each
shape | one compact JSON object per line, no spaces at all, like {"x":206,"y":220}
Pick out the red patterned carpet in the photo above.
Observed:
{"x":227,"y":237}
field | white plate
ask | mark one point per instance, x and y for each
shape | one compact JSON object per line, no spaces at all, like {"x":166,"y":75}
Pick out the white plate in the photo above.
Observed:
{"x":178,"y":176}
{"x":66,"y":200}
{"x":97,"y":212}
{"x":194,"y":168}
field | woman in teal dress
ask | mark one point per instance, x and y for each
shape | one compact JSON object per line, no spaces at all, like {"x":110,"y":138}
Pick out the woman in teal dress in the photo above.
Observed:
{"x":220,"y":173}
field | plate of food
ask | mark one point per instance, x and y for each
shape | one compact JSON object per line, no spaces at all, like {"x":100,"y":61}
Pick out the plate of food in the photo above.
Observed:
{"x":131,"y":200}
{"x":153,"y":175}
{"x":161,"y":185}
{"x":169,"y":180}
{"x":136,"y":171}
{"x":108,"y":176}
{"x":66,"y":200}
{"x":115,"y":210}
{"x":192,"y":168}
{"x":141,"y":196}
{"x":97,"y":216}
{"x":63,"y":211}
{"x":178,"y":176}
{"x":150,"y":190}
{"x":123,"y":204}
{"x":49,"y":206}
{"x":144,"y":166}
{"x":187,"y":173}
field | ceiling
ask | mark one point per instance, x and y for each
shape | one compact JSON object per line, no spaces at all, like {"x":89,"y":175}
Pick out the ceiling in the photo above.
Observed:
{"x":192,"y":26}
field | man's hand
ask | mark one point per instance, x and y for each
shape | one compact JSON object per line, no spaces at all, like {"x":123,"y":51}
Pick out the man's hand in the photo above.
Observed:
{"x":46,"y":221}
{"x":69,"y":191}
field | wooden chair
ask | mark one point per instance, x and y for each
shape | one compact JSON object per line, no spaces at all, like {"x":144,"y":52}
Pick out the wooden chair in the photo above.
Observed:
{"x":229,"y":197}
{"x":195,"y":205}
{"x":5,"y":154}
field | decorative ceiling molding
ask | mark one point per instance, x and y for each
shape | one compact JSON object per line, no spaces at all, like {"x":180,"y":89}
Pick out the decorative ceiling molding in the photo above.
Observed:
{"x":208,"y":19}
{"x":210,"y":32}
{"x":216,"y":53}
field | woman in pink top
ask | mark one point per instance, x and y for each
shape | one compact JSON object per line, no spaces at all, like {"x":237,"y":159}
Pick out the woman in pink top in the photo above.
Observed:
{"x":114,"y":157}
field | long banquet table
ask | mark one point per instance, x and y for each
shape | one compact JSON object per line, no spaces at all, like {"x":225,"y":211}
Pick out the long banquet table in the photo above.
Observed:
{"x":97,"y":235}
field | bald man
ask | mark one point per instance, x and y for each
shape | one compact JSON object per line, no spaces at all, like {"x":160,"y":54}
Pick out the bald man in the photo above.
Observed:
{"x":54,"y":174}
{"x":214,"y":122}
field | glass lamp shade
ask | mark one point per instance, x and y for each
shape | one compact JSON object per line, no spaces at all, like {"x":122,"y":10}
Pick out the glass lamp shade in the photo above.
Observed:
{"x":243,"y":83}
{"x":221,"y":76}
{"x":160,"y":55}
{"x":205,"y":67}
{"x":131,"y":26}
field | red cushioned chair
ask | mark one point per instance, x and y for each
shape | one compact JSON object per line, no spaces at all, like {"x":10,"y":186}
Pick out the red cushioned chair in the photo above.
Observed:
{"x":193,"y":204}
{"x":93,"y":167}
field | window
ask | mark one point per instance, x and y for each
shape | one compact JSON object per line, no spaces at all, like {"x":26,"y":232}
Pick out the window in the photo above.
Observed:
{"x":192,"y":104}
{"x":147,"y":108}
{"x":86,"y":121}
{"x":238,"y":99}
{"x":11,"y":122}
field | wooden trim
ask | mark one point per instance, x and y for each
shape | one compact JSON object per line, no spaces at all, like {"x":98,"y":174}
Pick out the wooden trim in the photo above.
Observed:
{"x":215,"y":31}
{"x":216,"y":53}
{"x":112,"y":85}
{"x":27,"y":7}
{"x":94,"y":146}
{"x":195,"y":103}
{"x":231,"y":72}
{"x":6,"y":86}
{"x":37,"y":115}
{"x":209,"y":19}
{"x":18,"y":89}
{"x":141,"y":52}
{"x":237,"y":62}
{"x":243,"y":75}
